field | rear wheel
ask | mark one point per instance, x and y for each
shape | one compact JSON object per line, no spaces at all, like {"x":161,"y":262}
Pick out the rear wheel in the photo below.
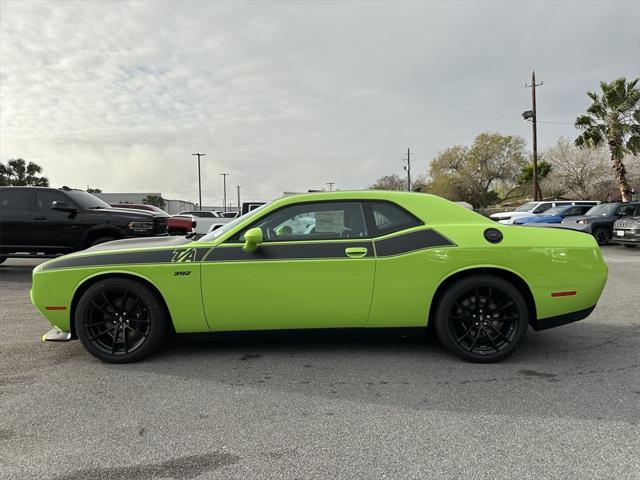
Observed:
{"x":481,"y":318}
{"x":626,"y":245}
{"x":119,"y":320}
{"x":602,"y":236}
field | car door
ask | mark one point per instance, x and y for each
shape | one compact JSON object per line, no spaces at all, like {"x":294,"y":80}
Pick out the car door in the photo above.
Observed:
{"x":314,"y":269}
{"x":55,"y":229}
{"x":16,"y":210}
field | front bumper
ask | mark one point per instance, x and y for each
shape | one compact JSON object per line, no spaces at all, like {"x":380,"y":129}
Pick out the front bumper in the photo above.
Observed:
{"x":551,"y":322}
{"x":55,"y":335}
{"x":630,"y":237}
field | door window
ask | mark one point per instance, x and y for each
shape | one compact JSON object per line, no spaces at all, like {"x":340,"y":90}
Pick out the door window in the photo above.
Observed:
{"x":44,"y":198}
{"x":314,"y":221}
{"x":628,"y":210}
{"x":17,"y":200}
{"x":542,"y":208}
{"x":388,"y":218}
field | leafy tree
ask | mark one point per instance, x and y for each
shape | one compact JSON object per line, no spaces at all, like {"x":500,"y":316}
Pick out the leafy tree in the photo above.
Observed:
{"x":94,"y":190}
{"x":477,"y":174}
{"x":389,"y":182}
{"x":156,"y":200}
{"x":526,"y":175}
{"x":17,"y":172}
{"x":583,"y":172}
{"x":613,"y":119}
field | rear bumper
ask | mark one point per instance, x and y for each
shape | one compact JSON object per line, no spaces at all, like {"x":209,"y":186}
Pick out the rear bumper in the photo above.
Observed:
{"x":551,"y":322}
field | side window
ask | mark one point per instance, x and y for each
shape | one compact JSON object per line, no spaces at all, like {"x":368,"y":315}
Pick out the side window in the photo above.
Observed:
{"x":574,"y":211}
{"x":542,"y":208}
{"x":313,"y":221}
{"x":627,"y":210}
{"x":388,"y":218}
{"x":18,"y":200}
{"x":45,"y":197}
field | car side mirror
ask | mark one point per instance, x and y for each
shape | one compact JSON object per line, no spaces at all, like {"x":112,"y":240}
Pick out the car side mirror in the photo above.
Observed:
{"x":252,"y":239}
{"x":62,"y":206}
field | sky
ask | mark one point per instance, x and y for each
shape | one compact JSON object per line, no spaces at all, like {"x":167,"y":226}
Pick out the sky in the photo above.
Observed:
{"x":287,"y":96}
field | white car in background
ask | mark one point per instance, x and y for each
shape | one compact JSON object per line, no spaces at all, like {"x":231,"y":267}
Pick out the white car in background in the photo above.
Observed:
{"x":534,"y":208}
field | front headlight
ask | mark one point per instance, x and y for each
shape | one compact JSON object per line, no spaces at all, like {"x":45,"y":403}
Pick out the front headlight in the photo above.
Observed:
{"x":140,"y":226}
{"x":582,"y":222}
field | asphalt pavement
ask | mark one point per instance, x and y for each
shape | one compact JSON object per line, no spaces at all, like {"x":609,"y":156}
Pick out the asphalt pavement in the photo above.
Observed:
{"x":566,"y":405}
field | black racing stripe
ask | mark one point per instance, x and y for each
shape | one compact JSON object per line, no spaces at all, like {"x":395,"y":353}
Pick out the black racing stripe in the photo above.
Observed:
{"x":177,"y":255}
{"x":410,"y":242}
{"x":290,"y":251}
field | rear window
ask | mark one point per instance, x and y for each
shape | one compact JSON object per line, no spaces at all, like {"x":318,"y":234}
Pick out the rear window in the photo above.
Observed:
{"x":388,"y":218}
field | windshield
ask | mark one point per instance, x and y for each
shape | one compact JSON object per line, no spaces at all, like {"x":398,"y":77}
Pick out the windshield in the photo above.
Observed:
{"x":87,"y":200}
{"x":604,"y":209}
{"x":232,"y":224}
{"x":527,"y":207}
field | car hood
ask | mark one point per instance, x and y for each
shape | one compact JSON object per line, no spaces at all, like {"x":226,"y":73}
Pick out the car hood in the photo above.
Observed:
{"x":590,"y":217}
{"x":130,"y":243}
{"x":127,"y":212}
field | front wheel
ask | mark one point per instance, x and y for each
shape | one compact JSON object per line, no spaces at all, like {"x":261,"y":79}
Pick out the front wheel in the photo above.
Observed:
{"x":119,"y":320}
{"x":481,"y":318}
{"x":602,"y":236}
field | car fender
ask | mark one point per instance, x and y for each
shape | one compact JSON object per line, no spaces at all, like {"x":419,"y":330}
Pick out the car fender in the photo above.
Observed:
{"x":101,"y":230}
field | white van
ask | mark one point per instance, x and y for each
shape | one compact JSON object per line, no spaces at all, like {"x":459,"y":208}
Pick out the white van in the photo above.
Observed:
{"x":533,"y":208}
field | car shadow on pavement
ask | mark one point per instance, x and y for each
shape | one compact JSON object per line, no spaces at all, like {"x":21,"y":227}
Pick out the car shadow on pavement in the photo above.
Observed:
{"x":415,"y":371}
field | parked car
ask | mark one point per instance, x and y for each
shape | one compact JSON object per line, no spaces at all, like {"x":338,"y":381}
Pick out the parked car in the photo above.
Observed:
{"x":627,"y":231}
{"x":181,"y":224}
{"x":200,"y":213}
{"x":47,"y":221}
{"x":229,"y":214}
{"x":372,"y":259}
{"x":140,"y":206}
{"x":600,"y":219}
{"x":531,"y":208}
{"x":555,"y":214}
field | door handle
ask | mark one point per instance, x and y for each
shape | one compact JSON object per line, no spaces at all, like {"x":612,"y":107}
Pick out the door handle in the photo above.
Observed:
{"x":356,"y":252}
{"x":39,"y":218}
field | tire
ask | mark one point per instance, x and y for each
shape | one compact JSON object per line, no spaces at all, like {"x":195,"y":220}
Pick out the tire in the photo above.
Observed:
{"x":477,"y":339}
{"x":602,"y":236}
{"x":102,"y":240}
{"x":626,"y":245}
{"x":131,"y":308}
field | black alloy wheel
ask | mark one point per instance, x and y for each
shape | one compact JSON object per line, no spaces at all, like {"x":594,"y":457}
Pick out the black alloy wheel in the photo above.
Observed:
{"x":482,"y":318}
{"x":120,"y":320}
{"x":602,"y":236}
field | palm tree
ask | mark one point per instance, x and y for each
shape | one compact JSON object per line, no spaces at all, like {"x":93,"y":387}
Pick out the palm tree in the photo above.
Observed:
{"x":18,"y":172}
{"x":613,"y":119}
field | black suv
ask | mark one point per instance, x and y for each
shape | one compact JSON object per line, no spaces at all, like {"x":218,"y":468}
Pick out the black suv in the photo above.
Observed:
{"x":49,"y":221}
{"x":600,"y":219}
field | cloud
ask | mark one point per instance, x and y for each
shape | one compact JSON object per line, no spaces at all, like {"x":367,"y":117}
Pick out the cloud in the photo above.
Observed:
{"x":288,"y":95}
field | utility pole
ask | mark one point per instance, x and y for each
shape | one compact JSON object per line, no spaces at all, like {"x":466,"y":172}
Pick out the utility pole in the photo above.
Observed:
{"x":238,"y":192}
{"x":199,"y":179}
{"x":537,"y":194}
{"x":331,"y":184}
{"x":224,"y":184}
{"x":408,"y":169}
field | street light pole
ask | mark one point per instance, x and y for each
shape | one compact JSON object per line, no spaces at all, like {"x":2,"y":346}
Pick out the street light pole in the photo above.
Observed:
{"x":408,"y":169}
{"x":199,"y":178}
{"x":224,"y":183}
{"x":238,"y":192}
{"x":534,"y":123}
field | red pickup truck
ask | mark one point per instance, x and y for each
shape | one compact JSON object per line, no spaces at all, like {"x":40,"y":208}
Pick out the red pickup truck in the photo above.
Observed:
{"x":180,"y":224}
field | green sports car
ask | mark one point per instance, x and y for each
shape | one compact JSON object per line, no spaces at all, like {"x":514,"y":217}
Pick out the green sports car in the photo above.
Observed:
{"x":369,"y":259}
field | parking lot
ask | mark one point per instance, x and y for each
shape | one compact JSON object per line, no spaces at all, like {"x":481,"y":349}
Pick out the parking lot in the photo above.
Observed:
{"x":566,"y":405}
